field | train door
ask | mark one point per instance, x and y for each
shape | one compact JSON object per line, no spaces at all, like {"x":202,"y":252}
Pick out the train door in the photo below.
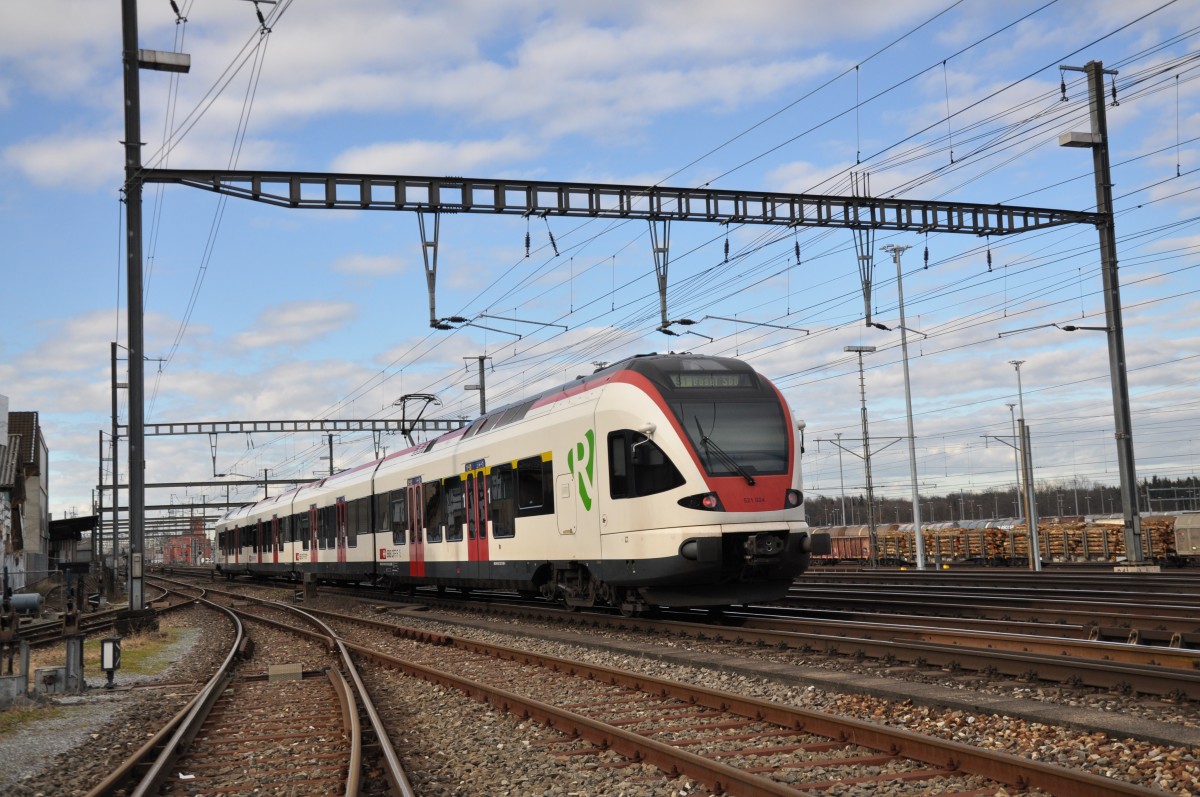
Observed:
{"x":312,"y":534}
{"x":416,"y":524}
{"x":340,"y":525}
{"x":275,"y":539}
{"x":565,"y":506}
{"x":237,"y":544}
{"x":477,"y":522}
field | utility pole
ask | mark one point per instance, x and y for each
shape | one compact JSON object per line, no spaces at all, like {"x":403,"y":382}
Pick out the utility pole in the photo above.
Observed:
{"x":1097,"y":140}
{"x":862,"y":391}
{"x":841,"y":479}
{"x":1031,"y":511}
{"x":134,"y":300}
{"x":1016,"y":458}
{"x":133,"y":59}
{"x":481,"y":386}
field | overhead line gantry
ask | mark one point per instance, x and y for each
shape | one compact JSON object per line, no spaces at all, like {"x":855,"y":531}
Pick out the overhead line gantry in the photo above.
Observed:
{"x":322,"y":190}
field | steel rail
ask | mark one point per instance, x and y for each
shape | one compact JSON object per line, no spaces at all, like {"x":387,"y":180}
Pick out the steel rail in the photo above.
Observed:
{"x":946,"y":754}
{"x":167,"y":739}
{"x":1150,"y":679}
{"x":393,"y":768}
{"x":1030,"y":607}
{"x":1183,"y":582}
{"x":1002,"y":767}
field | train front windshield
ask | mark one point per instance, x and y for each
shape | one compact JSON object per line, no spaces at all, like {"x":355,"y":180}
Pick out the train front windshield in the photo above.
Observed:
{"x":732,"y":417}
{"x":731,"y":434}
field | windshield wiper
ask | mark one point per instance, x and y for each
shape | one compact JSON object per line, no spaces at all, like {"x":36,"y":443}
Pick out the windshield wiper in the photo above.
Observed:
{"x":722,"y":454}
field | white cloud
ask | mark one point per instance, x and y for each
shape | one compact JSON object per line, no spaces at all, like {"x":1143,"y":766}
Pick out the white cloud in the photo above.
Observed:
{"x":294,"y":323}
{"x":433,"y":157}
{"x":82,"y":160}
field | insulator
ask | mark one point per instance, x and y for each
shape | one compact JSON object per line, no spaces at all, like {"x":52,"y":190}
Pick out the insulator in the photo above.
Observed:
{"x":553,"y":244}
{"x":989,"y":260}
{"x":726,"y":249}
{"x":927,"y":256}
{"x":797,"y":253}
{"x":1114,"y":92}
{"x":526,"y":244}
{"x":1063,"y":87}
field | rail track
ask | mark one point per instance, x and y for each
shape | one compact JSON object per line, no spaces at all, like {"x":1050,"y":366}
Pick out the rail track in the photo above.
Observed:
{"x":731,"y":743}
{"x":1141,"y":642}
{"x":285,"y":728}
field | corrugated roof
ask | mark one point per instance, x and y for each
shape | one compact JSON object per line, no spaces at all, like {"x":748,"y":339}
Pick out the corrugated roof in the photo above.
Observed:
{"x":8,"y":461}
{"x":25,"y":425}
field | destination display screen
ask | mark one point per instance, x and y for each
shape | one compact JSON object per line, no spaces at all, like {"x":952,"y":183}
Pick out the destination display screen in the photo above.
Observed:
{"x":710,"y":379}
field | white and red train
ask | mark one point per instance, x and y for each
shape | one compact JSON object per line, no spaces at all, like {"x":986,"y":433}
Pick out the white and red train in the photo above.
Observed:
{"x":660,"y":480}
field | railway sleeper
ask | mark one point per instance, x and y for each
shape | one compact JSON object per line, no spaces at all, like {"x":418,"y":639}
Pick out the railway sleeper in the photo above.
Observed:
{"x":1145,"y":636}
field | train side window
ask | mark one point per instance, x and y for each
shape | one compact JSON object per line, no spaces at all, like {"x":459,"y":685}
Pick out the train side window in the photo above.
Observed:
{"x":455,"y":511}
{"x":502,"y":508}
{"x":285,"y":531}
{"x":380,"y":513}
{"x":637,"y":466}
{"x":358,"y":520}
{"x":535,"y":487}
{"x":435,"y":511}
{"x":303,"y":531}
{"x":327,"y":531}
{"x":399,"y":517}
{"x":331,"y":529}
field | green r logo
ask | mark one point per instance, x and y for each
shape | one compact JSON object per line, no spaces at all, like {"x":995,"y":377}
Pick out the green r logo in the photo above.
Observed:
{"x":583,"y":454}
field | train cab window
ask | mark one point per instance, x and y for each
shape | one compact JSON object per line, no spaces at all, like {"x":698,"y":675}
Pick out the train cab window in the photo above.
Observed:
{"x":535,"y":487}
{"x":435,"y":511}
{"x":502,"y":509}
{"x":399,"y":517}
{"x":637,"y":466}
{"x":456,"y":513}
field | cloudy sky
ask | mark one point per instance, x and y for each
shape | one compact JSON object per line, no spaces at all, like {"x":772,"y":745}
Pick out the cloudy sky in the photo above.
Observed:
{"x":256,"y":313}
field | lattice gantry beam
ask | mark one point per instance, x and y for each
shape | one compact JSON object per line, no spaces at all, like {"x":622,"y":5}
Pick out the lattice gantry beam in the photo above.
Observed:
{"x":240,"y":427}
{"x":521,"y":197}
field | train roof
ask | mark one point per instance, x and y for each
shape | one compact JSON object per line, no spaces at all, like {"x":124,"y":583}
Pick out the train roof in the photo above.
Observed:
{"x":662,"y":370}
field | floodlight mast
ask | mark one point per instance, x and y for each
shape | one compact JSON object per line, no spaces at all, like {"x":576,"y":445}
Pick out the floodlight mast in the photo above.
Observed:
{"x":919,"y":539}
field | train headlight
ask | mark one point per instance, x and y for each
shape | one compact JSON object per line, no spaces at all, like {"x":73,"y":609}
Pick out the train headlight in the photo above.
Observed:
{"x":794,"y":499}
{"x":710,"y":502}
